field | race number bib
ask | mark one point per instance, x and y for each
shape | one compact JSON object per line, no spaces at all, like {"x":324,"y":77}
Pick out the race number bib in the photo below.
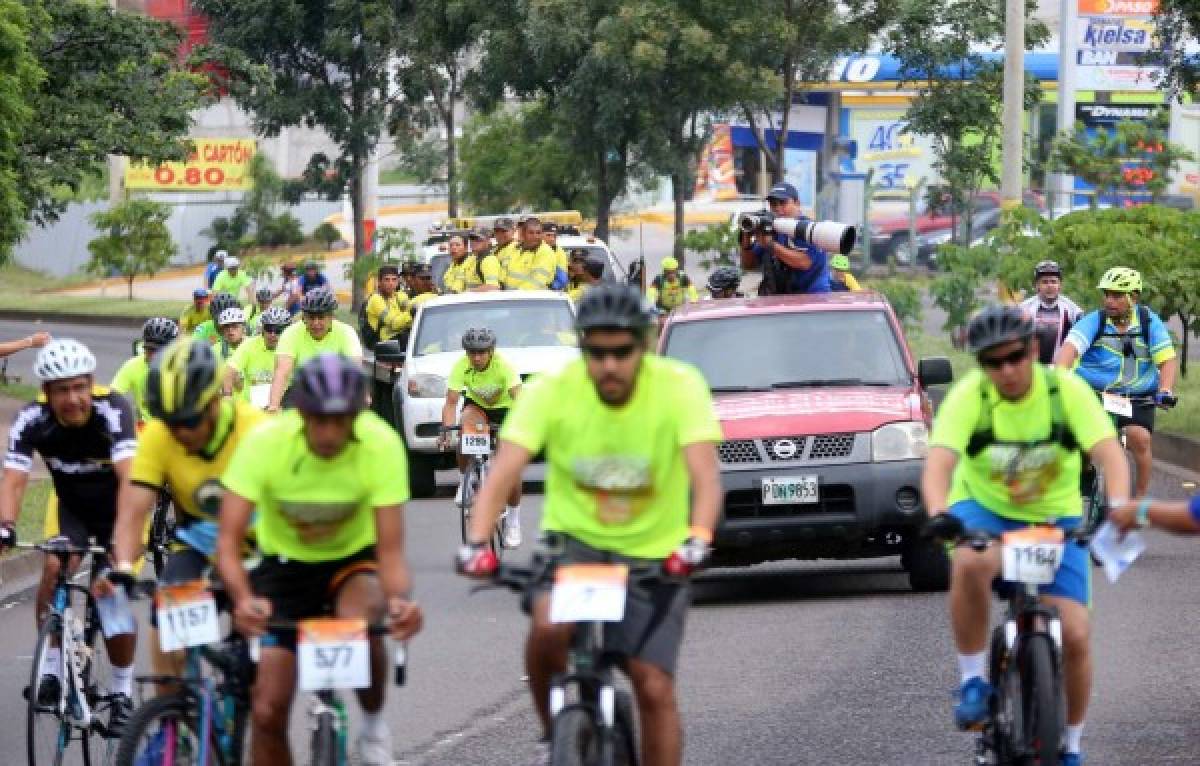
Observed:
{"x":187,"y":616}
{"x":1032,"y":555}
{"x":475,"y":443}
{"x":333,"y":654}
{"x":589,"y":593}
{"x":260,"y":395}
{"x":1118,"y":405}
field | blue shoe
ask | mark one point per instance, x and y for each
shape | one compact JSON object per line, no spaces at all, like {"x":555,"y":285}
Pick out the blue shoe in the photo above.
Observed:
{"x":974,"y":703}
{"x":1072,"y":759}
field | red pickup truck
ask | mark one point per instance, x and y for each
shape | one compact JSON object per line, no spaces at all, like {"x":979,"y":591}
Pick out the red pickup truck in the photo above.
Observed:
{"x":826,"y":427}
{"x":890,"y":233}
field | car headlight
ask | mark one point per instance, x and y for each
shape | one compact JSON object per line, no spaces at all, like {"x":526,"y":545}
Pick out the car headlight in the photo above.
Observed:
{"x":426,"y":386}
{"x":900,"y":441}
{"x":937,"y":238}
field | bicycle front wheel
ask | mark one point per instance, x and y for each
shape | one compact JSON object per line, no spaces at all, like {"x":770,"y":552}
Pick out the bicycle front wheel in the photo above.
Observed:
{"x":166,"y":731}
{"x":325,"y":741}
{"x":1040,"y":702}
{"x":624,"y":735}
{"x":575,"y":740}
{"x":472,"y":479}
{"x":48,"y":734}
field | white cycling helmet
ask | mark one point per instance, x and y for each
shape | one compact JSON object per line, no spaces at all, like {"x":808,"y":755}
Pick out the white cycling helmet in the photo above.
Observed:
{"x":231,"y":316}
{"x":63,"y":358}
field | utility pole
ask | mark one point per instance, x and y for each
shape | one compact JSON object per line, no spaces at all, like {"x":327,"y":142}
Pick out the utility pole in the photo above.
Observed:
{"x":1064,"y":183}
{"x":116,"y":163}
{"x":1013,"y":153}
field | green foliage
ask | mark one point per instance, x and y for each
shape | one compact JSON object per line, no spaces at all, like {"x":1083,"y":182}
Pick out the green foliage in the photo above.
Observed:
{"x":955,"y":290}
{"x":715,"y":245}
{"x":281,"y":230}
{"x":905,"y":298}
{"x":138,"y":241}
{"x":230,"y":232}
{"x":256,"y":220}
{"x":424,"y":160}
{"x":20,"y":76}
{"x":259,"y":267}
{"x":326,"y":233}
{"x":392,"y":244}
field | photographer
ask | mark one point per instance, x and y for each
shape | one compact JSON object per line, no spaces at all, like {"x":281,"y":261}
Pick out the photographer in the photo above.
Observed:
{"x":789,"y":266}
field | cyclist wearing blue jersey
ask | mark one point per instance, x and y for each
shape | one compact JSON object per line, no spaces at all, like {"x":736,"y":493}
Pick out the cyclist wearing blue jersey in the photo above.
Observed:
{"x":1124,"y":352}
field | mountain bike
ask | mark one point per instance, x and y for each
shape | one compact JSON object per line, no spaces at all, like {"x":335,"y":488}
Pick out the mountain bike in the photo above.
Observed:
{"x":204,"y":721}
{"x":479,"y":448}
{"x":74,"y":713}
{"x":592,"y":721}
{"x":162,"y":531}
{"x":1027,"y":720}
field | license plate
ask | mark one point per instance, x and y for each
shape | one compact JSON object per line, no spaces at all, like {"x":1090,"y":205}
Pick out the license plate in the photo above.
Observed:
{"x":333,"y":654}
{"x":1033,"y":555}
{"x":1118,"y":405}
{"x":476,"y":444}
{"x":790,"y":490}
{"x":589,"y":593}
{"x":186,"y":615}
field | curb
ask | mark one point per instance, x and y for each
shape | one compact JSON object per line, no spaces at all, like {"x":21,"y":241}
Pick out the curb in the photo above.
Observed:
{"x":1180,"y":451}
{"x":67,"y":316}
{"x":19,"y":573}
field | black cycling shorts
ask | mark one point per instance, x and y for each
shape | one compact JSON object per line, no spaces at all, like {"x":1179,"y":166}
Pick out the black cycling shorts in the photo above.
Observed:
{"x":1143,"y":415}
{"x":82,"y":529}
{"x":495,"y":415}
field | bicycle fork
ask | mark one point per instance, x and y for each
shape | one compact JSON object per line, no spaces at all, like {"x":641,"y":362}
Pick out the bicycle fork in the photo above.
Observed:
{"x":329,"y":704}
{"x":74,"y":655}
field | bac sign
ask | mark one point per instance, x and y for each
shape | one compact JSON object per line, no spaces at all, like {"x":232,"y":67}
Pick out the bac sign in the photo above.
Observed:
{"x":216,"y":164}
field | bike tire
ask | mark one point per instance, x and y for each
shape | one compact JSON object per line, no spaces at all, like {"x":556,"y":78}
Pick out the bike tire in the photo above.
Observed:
{"x":162,"y":528}
{"x":1042,"y":723}
{"x":574,"y":739}
{"x":164,"y":722}
{"x":625,"y":743}
{"x":324,"y":751}
{"x":471,"y":482}
{"x":44,"y":726}
{"x":1003,"y":734}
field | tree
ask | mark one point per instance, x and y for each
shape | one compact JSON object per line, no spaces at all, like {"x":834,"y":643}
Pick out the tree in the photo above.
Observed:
{"x":326,"y":63}
{"x":20,"y":75}
{"x":138,"y":241}
{"x":326,"y":233}
{"x":940,"y":44}
{"x":717,"y":245}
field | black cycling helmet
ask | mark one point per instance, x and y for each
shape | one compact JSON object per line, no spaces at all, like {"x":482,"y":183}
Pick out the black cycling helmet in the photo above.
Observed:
{"x":995,"y":325}
{"x":479,"y":339}
{"x":158,"y":332}
{"x":1047,"y":269}
{"x":319,"y":300}
{"x":183,"y":379}
{"x":264,"y":294}
{"x":724,"y":278}
{"x":276,"y":316}
{"x":329,"y":384}
{"x":220,"y":302}
{"x":613,"y":306}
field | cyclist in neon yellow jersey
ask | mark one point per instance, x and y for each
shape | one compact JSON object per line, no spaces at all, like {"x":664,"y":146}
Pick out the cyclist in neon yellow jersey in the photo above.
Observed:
{"x":252,"y":366}
{"x":318,"y":333}
{"x":330,"y":525}
{"x":1006,"y":453}
{"x":631,"y":477}
{"x":130,"y":379}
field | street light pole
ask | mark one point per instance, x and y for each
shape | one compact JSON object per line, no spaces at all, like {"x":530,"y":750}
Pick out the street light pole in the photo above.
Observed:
{"x":1013,"y":167}
{"x":1067,"y":16}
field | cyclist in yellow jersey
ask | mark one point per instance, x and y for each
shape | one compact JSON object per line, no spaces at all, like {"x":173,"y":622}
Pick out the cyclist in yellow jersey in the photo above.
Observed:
{"x":671,"y":289}
{"x":636,"y":444}
{"x":388,"y":309}
{"x":330,"y":525}
{"x":263,"y":297}
{"x":231,"y":324}
{"x":130,"y":379}
{"x":319,"y":333}
{"x":207,"y":330}
{"x":487,"y":385}
{"x":236,"y":282}
{"x":197,"y":313}
{"x":252,"y":367}
{"x":1006,"y":454}
{"x":530,"y":266}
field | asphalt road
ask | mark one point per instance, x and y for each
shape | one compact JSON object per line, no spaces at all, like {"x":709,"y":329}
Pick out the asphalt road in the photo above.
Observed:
{"x":822,"y":663}
{"x":111,"y":345}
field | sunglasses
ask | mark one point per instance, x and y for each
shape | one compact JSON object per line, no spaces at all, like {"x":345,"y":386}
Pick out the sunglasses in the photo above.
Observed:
{"x":600,"y":353}
{"x":271,"y":330}
{"x":188,"y":423}
{"x":317,"y":315}
{"x":1013,"y":359}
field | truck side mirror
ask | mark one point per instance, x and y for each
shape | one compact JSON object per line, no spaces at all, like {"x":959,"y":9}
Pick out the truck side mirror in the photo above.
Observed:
{"x":934,"y":371}
{"x":389,"y":352}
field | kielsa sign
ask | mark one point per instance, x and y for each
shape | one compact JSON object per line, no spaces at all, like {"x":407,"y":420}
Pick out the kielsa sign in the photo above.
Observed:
{"x":1107,"y":114}
{"x":1116,"y":33}
{"x":1118,"y":7}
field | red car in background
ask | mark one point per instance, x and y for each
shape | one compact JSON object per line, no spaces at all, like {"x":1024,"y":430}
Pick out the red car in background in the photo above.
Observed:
{"x":826,"y":427}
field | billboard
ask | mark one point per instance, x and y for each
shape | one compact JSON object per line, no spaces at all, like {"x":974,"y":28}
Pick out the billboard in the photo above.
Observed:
{"x":1116,"y":33}
{"x":216,"y":164}
{"x":1128,"y":78}
{"x":1118,"y":7}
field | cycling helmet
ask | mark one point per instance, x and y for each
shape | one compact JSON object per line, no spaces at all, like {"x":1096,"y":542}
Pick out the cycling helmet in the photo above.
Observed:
{"x":839,"y":262}
{"x":1047,"y":269}
{"x":319,"y":300}
{"x":613,"y":306}
{"x":479,"y":339}
{"x":63,"y":358}
{"x":183,"y":380}
{"x":158,"y":332}
{"x":995,"y":325}
{"x":264,"y":294}
{"x":724,"y":278}
{"x":220,"y":302}
{"x":1120,"y":280}
{"x":329,"y":384}
{"x":232,"y":316}
{"x":276,"y":316}
{"x":670,"y":264}
{"x":288,"y":268}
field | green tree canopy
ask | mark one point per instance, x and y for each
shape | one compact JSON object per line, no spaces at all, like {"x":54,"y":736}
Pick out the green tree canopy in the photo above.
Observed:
{"x":138,"y":242}
{"x":20,"y":75}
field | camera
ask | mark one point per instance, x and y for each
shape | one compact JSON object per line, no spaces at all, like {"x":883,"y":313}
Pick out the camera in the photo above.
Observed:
{"x":830,"y":236}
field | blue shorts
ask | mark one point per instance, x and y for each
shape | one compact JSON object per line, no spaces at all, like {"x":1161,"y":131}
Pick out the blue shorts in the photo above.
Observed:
{"x":1074,"y":579}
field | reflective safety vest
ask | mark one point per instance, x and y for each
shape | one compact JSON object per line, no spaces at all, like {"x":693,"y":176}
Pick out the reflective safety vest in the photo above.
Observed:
{"x":668,"y":296}
{"x":530,"y":269}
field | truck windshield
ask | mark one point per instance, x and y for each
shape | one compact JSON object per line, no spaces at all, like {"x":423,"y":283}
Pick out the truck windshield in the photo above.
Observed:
{"x":517,"y":324}
{"x":792,"y":350}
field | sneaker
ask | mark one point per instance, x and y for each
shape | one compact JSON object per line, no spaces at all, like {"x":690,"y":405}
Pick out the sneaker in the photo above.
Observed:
{"x":458,"y":493}
{"x":49,"y":691}
{"x":512,"y":531}
{"x":375,"y":750}
{"x":1072,"y":759}
{"x":974,"y":699}
{"x":119,"y":712}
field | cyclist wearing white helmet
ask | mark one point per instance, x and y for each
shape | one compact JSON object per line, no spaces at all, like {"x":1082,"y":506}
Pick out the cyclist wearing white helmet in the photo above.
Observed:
{"x":1052,"y":312}
{"x":86,"y":437}
{"x":231,"y":323}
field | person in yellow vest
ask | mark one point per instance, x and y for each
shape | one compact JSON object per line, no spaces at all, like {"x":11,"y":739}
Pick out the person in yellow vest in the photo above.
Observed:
{"x":197,"y":313}
{"x":550,"y":237}
{"x":532,"y":265}
{"x":455,"y":278}
{"x":575,"y":268}
{"x":840,"y":278}
{"x":592,"y":274}
{"x":387,"y":309}
{"x":672,"y":288}
{"x":482,"y":267}
{"x":419,"y":279}
{"x":502,"y":231}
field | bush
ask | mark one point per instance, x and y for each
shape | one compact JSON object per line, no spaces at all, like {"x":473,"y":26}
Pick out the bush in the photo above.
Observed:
{"x":904,"y":297}
{"x":326,"y":234}
{"x":283,"y":229}
{"x":717,"y":245}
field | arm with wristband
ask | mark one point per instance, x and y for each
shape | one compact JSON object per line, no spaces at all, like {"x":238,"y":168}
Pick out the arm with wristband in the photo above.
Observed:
{"x":1181,"y":517}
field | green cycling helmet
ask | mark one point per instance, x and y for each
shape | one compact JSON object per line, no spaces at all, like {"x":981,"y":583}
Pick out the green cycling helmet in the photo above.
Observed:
{"x":1120,"y":280}
{"x":840,"y":262}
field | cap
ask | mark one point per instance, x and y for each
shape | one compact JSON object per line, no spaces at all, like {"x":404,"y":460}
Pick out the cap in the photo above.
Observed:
{"x":232,"y":263}
{"x":478,"y":233}
{"x":550,"y":227}
{"x":220,"y":255}
{"x":784,"y":191}
{"x":503,"y":223}
{"x":579,"y":255}
{"x":200,"y":292}
{"x":670,"y":264}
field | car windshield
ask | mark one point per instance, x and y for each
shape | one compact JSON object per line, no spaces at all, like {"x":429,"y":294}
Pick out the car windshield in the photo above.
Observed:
{"x":792,"y":350}
{"x":517,"y":324}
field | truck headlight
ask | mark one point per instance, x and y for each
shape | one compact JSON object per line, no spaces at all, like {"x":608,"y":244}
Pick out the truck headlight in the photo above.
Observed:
{"x":900,"y":441}
{"x":937,"y":238}
{"x":426,"y":386}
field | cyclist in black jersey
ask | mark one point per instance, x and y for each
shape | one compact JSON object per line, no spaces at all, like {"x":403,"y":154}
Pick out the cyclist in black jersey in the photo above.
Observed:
{"x":86,"y":435}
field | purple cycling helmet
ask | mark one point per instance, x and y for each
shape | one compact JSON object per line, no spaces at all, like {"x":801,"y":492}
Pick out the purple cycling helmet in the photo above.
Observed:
{"x":329,"y":384}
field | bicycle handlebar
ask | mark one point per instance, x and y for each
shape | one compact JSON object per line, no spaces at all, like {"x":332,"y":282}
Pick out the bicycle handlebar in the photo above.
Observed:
{"x":979,"y":539}
{"x":399,"y":651}
{"x":55,"y":546}
{"x":520,"y":578}
{"x":492,"y":427}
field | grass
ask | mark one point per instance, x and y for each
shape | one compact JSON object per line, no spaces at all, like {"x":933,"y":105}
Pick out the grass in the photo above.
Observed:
{"x":396,"y":176}
{"x":21,"y":391}
{"x":31,"y":524}
{"x":926,"y":345}
{"x":29,"y":290}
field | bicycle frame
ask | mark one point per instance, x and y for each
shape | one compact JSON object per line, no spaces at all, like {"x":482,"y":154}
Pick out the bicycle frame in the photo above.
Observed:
{"x":590,"y":671}
{"x":75,"y":638}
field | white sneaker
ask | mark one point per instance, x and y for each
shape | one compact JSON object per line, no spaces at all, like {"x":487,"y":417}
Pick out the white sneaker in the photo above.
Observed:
{"x":375,"y":751}
{"x":512,"y":529}
{"x":458,"y":493}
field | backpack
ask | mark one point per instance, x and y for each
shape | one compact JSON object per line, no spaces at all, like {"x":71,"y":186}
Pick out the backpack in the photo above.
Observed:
{"x":684,"y":283}
{"x":369,"y":335}
{"x":1144,"y":328}
{"x":984,"y":437}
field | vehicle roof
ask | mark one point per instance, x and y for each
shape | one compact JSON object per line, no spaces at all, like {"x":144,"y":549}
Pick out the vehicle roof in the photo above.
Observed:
{"x":779,"y":304}
{"x":499,"y":296}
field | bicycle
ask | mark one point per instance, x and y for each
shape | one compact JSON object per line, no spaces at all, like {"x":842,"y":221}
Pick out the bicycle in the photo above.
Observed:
{"x":479,"y":448}
{"x":592,"y":723}
{"x":1027,"y":720}
{"x":76,"y":713}
{"x":332,"y":653}
{"x":204,"y":722}
{"x":161,"y":533}
{"x":1095,"y":499}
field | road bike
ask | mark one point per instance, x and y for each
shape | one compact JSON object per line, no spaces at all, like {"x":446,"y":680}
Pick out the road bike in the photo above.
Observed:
{"x":1027,"y":717}
{"x":479,"y":448}
{"x":72,"y":713}
{"x":161,"y":532}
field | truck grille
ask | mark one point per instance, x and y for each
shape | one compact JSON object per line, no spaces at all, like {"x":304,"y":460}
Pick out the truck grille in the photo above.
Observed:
{"x":747,"y":504}
{"x":786,"y":449}
{"x":739,"y":451}
{"x":792,"y":448}
{"x":829,"y":446}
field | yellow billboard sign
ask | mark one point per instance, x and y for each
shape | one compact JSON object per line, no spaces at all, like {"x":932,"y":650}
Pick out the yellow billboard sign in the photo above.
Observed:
{"x":216,"y":164}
